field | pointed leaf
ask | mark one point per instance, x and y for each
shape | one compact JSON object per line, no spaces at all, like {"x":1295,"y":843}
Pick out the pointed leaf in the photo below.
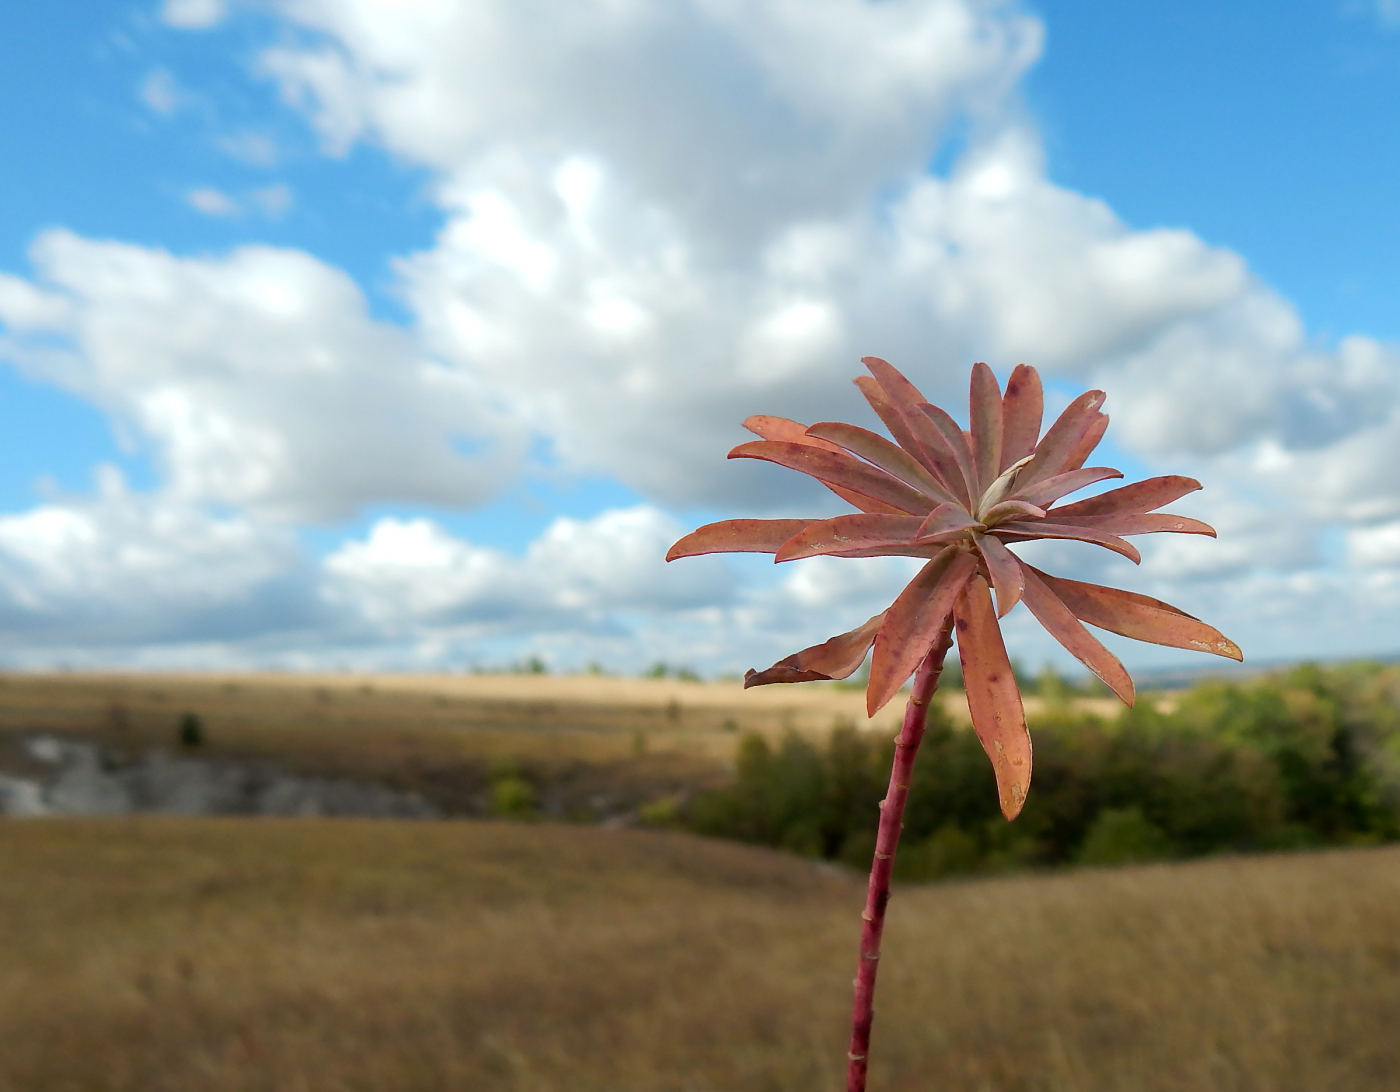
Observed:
{"x":984,"y":405}
{"x":838,"y":658}
{"x":1049,"y":490}
{"x":1080,"y":455}
{"x":1021,"y":409}
{"x":1141,"y":524}
{"x":1005,"y":570}
{"x":1143,"y":496}
{"x":874,"y":448}
{"x":944,"y":519}
{"x":1061,"y":623}
{"x":1140,"y":617}
{"x":780,"y":428}
{"x":917,"y":436}
{"x":1063,"y":438}
{"x":739,"y":536}
{"x":841,"y":534}
{"x":1019,"y":510}
{"x":913,"y":623}
{"x":955,"y":441}
{"x":837,"y":468}
{"x":897,"y":388}
{"x":1017,"y":531}
{"x":992,"y":696}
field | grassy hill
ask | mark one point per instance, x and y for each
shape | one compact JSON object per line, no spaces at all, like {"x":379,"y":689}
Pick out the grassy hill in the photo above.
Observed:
{"x":218,"y":955}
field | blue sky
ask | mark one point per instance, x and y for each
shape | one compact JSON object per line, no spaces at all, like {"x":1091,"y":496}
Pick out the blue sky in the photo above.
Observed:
{"x":301,"y":363}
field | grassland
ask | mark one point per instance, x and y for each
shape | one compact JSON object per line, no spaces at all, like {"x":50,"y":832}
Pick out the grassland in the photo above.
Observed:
{"x":595,"y":746}
{"x":218,"y":955}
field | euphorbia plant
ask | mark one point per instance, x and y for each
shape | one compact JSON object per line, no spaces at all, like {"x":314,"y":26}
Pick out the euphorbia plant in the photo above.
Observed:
{"x":958,"y":499}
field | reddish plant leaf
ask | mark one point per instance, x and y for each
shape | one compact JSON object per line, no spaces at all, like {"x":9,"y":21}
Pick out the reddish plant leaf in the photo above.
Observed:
{"x":781,"y":428}
{"x":739,"y":536}
{"x":838,"y":658}
{"x":1048,"y":490}
{"x":944,"y":519}
{"x":913,"y":623}
{"x":1063,"y":438}
{"x":897,"y":388}
{"x":874,"y":448}
{"x":837,"y":468}
{"x":1005,"y":570}
{"x":1006,"y":510}
{"x":1143,"y":496}
{"x":1140,"y":617}
{"x":1080,"y":455}
{"x":955,"y":442}
{"x":916,"y":434}
{"x":1021,"y":408}
{"x":984,"y":405}
{"x":842,"y":534}
{"x":1062,"y":625}
{"x":992,"y":696}
{"x":902,"y":429}
{"x":1141,"y":524}
{"x":1024,"y":532}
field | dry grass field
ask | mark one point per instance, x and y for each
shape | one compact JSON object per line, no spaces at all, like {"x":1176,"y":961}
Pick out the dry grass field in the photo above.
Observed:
{"x":176,"y":955}
{"x":596,"y":745}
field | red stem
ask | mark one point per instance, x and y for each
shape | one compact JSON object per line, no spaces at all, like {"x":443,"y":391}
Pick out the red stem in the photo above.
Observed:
{"x":906,"y":748}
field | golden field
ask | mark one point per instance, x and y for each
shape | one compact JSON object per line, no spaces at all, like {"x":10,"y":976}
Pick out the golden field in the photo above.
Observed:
{"x":178,"y":955}
{"x":592,"y":737}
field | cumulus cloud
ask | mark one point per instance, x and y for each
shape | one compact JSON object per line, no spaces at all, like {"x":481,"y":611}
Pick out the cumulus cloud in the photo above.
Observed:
{"x":258,"y":379}
{"x":128,"y":569}
{"x":657,"y":219}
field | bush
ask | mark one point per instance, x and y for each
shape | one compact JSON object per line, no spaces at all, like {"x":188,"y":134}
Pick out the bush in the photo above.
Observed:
{"x":1310,"y":757}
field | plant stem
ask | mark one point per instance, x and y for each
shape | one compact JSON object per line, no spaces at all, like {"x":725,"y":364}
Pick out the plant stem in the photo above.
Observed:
{"x":906,"y":749}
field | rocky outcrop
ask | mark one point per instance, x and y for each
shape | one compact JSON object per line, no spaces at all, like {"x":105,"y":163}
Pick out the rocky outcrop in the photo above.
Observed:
{"x":83,"y":778}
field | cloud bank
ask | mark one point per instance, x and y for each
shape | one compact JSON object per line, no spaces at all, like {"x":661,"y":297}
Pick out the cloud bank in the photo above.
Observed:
{"x":655,"y":220}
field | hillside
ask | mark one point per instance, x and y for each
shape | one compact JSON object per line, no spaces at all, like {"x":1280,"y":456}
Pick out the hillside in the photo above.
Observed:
{"x":221,"y":955}
{"x":592,"y":747}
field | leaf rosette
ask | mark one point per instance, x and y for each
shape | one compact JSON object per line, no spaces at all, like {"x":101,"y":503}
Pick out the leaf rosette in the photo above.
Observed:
{"x":959,"y":498}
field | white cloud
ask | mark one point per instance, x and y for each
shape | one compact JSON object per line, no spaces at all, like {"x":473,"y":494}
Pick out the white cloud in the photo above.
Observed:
{"x":161,"y":92}
{"x":193,"y":14}
{"x":258,"y":379}
{"x":126,"y":569}
{"x":213,"y":202}
{"x":274,"y":200}
{"x":657,"y":219}
{"x":252,"y":148}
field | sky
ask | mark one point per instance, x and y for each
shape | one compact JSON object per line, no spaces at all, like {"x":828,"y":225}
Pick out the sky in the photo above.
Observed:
{"x":408,"y":334}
